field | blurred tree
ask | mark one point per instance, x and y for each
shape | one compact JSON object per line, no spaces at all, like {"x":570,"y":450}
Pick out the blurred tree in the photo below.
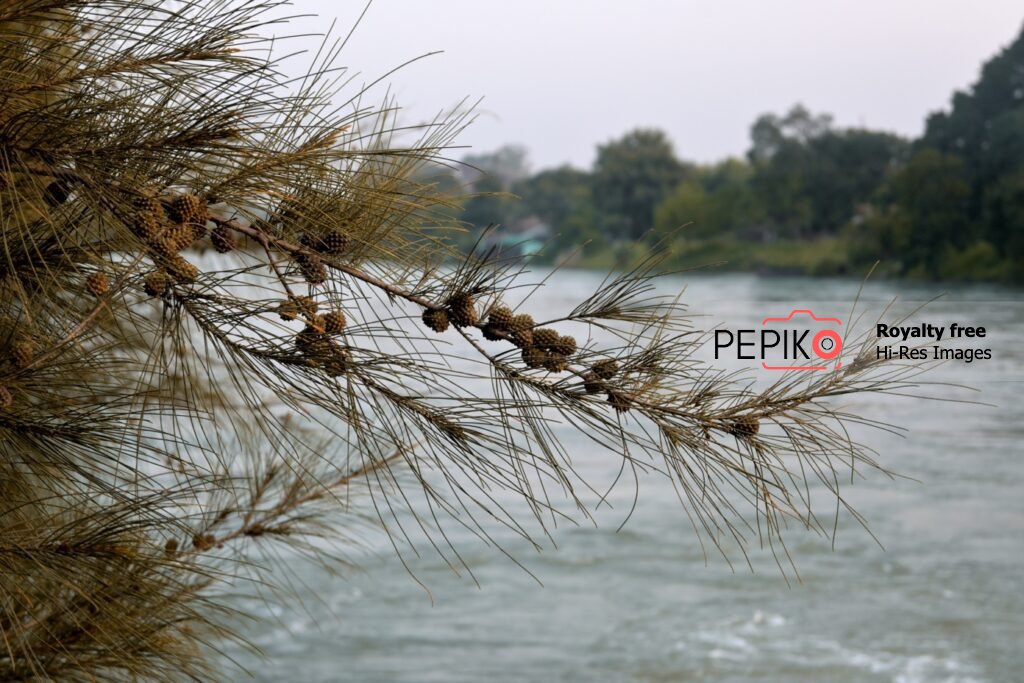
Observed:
{"x":563,"y":199}
{"x":632,"y":175}
{"x":928,"y":215}
{"x":718,"y":200}
{"x":507,"y":165}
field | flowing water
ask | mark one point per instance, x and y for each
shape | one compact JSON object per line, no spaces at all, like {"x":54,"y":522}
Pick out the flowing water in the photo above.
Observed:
{"x":943,"y":601}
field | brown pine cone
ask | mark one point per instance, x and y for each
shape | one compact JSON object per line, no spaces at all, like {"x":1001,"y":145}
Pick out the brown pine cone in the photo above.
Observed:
{"x":743,"y":426}
{"x":182,"y":270}
{"x":146,"y":226}
{"x":179,"y":237}
{"x":500,"y":317}
{"x":6,"y":398}
{"x":492,"y":333}
{"x":308,"y":306}
{"x":522,"y":338}
{"x":591,"y":383}
{"x":310,"y":340}
{"x":545,"y":338}
{"x":436,"y":319}
{"x":312,"y":268}
{"x":555,"y":363}
{"x":523,"y":321}
{"x":620,"y":401}
{"x":334,"y":322}
{"x":565,"y":346}
{"x":188,"y":209}
{"x":606,"y":369}
{"x":534,"y":357}
{"x":148,"y":204}
{"x":462,"y":310}
{"x":171,"y":547}
{"x":288,"y":310}
{"x":156,"y":283}
{"x":204,"y":541}
{"x":338,"y":361}
{"x":222,"y":239}
{"x":22,"y":353}
{"x":97,"y":284}
{"x":336,"y":242}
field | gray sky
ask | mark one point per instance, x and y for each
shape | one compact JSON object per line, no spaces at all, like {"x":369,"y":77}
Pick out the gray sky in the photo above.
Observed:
{"x":562,"y":76}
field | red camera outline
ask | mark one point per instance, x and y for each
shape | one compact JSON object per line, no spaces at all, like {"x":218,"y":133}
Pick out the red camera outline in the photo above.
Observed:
{"x":832,"y":334}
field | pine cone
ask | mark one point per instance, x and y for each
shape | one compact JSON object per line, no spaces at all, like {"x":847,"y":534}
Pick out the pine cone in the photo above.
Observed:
{"x":204,"y":541}
{"x":171,"y":547}
{"x":316,"y":323}
{"x":146,"y":226}
{"x":338,"y":361}
{"x":156,"y":283}
{"x":6,"y":398}
{"x":334,"y":322}
{"x":436,"y":319}
{"x":565,"y":346}
{"x":500,"y":317}
{"x":188,"y":209}
{"x":331,"y":242}
{"x":462,"y":310}
{"x":223,"y":240}
{"x":148,"y":204}
{"x":307,"y":305}
{"x":310,"y":340}
{"x":555,"y":363}
{"x":545,"y":338}
{"x":523,"y":321}
{"x":606,"y":369}
{"x":744,"y":426}
{"x":182,"y":270}
{"x":534,"y":357}
{"x":336,"y":242}
{"x":97,"y":284}
{"x":288,"y":310}
{"x":522,"y":338}
{"x":182,"y":236}
{"x":492,"y":333}
{"x":591,"y":383}
{"x":620,"y":401}
{"x":22,"y":353}
{"x":312,"y":268}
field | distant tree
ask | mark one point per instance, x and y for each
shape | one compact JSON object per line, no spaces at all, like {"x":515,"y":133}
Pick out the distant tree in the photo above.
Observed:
{"x":809,"y":176}
{"x":718,"y":200}
{"x":508,"y":165}
{"x":563,"y":198}
{"x":927,"y":212}
{"x":489,"y":204}
{"x":632,"y":175}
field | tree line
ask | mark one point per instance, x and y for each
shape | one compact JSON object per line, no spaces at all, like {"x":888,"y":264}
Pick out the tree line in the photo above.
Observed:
{"x":808,"y":196}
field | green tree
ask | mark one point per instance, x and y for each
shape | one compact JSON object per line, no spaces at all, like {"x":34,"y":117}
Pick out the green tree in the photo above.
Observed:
{"x":563,"y":198}
{"x":929,"y":198}
{"x":810,"y":176}
{"x":718,"y":200}
{"x":632,"y":175}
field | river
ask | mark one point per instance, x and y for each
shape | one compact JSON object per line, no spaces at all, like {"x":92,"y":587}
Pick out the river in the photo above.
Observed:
{"x":943,"y":600}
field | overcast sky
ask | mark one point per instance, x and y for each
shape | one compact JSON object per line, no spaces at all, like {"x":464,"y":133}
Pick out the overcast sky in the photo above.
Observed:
{"x":562,"y":76}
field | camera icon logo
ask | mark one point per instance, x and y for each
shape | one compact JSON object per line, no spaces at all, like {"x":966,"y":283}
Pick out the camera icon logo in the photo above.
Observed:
{"x":826,"y":343}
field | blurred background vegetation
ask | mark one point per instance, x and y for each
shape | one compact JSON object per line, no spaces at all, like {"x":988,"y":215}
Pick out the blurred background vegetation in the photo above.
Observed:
{"x":809,"y":198}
